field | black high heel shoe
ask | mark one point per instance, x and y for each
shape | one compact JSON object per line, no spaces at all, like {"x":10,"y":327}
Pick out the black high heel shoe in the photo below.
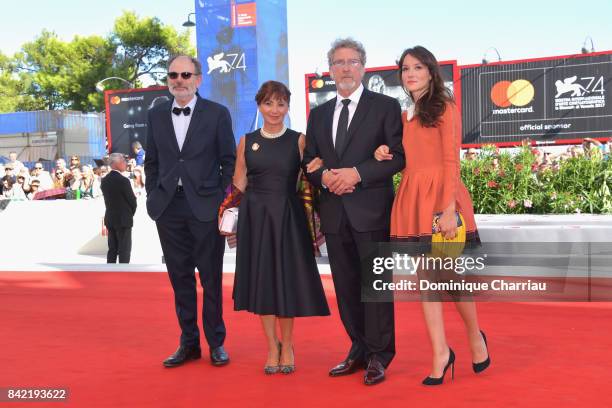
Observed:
{"x":480,"y":367}
{"x":440,"y":380}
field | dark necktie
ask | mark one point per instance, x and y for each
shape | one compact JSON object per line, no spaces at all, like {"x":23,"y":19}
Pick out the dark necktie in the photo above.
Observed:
{"x":342,"y":129}
{"x":185,"y":111}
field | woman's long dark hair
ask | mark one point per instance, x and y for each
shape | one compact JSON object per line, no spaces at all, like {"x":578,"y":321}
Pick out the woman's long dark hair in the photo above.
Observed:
{"x":432,"y":104}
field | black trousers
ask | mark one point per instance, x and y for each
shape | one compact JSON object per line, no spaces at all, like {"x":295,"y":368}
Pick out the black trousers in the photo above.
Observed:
{"x":370,"y":326}
{"x":188,"y":243}
{"x":119,"y":244}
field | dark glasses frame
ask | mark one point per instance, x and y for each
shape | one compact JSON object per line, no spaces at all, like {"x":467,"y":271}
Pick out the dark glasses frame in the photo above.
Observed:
{"x":184,"y":75}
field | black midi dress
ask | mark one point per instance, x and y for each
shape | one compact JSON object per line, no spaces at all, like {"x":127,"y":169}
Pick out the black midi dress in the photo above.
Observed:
{"x":276,"y":272}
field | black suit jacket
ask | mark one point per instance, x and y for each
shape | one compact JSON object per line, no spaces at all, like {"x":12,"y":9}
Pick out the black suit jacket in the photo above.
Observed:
{"x":377,"y":120}
{"x":205,"y":165}
{"x":119,"y":199}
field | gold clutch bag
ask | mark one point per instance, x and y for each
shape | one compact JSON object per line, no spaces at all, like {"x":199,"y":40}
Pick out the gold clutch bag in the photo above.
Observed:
{"x":448,"y":247}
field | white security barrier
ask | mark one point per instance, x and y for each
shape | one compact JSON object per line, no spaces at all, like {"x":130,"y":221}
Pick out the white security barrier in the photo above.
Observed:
{"x":69,"y":231}
{"x":545,"y":228}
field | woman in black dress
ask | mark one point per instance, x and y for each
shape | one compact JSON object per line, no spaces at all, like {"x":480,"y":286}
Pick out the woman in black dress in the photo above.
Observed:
{"x":276,"y":272}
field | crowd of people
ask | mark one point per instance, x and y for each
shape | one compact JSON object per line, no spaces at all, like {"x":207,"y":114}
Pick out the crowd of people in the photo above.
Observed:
{"x":82,"y":181}
{"x":73,"y":180}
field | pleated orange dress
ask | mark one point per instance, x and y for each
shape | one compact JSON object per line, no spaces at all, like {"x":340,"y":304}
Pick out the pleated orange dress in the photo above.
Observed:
{"x":431,"y":180}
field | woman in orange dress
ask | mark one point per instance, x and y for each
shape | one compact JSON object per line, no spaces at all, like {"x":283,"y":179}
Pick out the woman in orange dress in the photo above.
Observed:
{"x":431,"y":185}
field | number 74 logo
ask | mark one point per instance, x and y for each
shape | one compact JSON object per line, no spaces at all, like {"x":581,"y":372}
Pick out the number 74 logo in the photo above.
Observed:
{"x":233,"y":61}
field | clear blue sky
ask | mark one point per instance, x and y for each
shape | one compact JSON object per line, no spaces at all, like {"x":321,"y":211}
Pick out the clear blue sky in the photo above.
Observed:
{"x":450,"y":29}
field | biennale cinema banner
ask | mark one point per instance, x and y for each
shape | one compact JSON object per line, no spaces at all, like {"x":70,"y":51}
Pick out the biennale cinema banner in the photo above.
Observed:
{"x":241,"y":44}
{"x":385,"y":80}
{"x":549,"y":100}
{"x":126,"y":115}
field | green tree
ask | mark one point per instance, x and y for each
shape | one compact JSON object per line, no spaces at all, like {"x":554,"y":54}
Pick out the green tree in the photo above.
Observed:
{"x":143,"y":46}
{"x":44,"y":62}
{"x":49,"y":73}
{"x":63,"y":74}
{"x":93,"y":58}
{"x":14,"y":87}
{"x":8,"y":85}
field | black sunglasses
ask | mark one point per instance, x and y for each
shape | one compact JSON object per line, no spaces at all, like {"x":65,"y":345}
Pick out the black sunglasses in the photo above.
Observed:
{"x":184,"y":75}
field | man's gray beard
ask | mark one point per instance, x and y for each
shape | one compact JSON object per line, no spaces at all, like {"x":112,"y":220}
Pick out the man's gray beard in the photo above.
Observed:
{"x":346,"y":87}
{"x":186,"y":96}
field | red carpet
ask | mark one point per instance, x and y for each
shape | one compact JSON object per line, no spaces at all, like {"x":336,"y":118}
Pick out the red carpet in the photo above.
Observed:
{"x":104,"y":335}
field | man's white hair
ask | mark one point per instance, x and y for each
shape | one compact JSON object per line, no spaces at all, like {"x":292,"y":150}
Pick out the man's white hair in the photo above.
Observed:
{"x":346,"y":43}
{"x":116,"y":158}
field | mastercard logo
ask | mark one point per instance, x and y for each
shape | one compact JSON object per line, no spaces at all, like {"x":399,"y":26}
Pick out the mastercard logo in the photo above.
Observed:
{"x":317,"y":83}
{"x":517,"y":93}
{"x":115,"y":100}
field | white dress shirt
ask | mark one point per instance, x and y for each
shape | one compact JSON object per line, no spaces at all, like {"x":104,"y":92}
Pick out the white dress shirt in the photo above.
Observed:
{"x":352,"y":107}
{"x":181,"y":122}
{"x":354,"y":97}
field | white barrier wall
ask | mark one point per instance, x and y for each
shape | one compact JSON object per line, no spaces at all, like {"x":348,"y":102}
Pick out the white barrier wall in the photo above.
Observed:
{"x":544,"y":228}
{"x":67,"y":231}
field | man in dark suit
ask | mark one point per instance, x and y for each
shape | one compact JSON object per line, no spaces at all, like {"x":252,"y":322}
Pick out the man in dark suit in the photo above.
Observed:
{"x":120,"y":204}
{"x":356,"y":198}
{"x":189,"y":162}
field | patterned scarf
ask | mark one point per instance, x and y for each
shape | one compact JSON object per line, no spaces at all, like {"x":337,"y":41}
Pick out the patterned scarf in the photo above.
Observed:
{"x":307,"y":195}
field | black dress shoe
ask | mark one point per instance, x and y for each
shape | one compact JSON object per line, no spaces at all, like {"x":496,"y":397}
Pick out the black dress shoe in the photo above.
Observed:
{"x":182,"y":355}
{"x":375,"y":372}
{"x":348,"y":366}
{"x":218,"y":356}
